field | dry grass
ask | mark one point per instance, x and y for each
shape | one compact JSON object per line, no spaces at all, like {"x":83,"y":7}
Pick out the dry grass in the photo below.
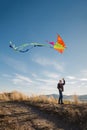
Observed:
{"x":51,"y":99}
{"x":42,"y":99}
{"x":75,"y":99}
{"x":13,"y":96}
{"x":17,"y":96}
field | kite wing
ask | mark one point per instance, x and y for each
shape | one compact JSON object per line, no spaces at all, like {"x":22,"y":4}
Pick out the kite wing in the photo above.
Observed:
{"x":60,"y":41}
{"x":59,"y":45}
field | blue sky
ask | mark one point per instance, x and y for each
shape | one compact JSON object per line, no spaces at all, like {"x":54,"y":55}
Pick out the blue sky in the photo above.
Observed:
{"x":38,"y":71}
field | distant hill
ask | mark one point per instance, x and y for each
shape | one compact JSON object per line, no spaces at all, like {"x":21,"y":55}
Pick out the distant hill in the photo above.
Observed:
{"x":83,"y":97}
{"x":70,"y":97}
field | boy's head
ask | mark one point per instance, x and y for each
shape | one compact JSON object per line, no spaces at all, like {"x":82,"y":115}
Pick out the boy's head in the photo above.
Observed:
{"x":60,"y":81}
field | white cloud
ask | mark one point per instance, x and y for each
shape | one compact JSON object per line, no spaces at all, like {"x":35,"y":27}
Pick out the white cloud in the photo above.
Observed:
{"x":42,"y":61}
{"x":34,"y":75}
{"x":71,"y":77}
{"x":83,"y":79}
{"x":84,"y":73}
{"x":21,"y":80}
{"x":16,"y":64}
{"x":71,"y":82}
{"x":76,"y":84}
{"x":51,"y":75}
{"x":49,"y":62}
{"x":45,"y":82}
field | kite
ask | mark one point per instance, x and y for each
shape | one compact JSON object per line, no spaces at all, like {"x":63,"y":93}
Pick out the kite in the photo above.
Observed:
{"x":58,"y":46}
{"x":23,"y":49}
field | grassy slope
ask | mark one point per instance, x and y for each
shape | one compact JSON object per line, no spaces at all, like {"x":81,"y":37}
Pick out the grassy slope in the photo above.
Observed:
{"x":73,"y":116}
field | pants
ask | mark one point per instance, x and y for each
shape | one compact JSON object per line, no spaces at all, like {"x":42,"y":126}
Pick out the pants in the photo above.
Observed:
{"x":60,"y":97}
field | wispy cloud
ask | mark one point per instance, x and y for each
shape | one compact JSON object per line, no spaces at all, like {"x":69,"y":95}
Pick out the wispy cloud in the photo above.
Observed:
{"x":21,"y":80}
{"x":76,"y":84}
{"x":46,"y":82}
{"x":15,"y":64}
{"x":83,"y":79}
{"x":34,"y":75}
{"x":71,"y":82}
{"x":49,"y":62}
{"x":51,"y":75}
{"x":71,"y":77}
{"x":38,"y":85}
{"x":84,"y":73}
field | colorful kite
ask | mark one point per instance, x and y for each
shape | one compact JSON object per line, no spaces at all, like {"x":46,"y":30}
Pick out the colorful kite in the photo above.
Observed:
{"x":59,"y":46}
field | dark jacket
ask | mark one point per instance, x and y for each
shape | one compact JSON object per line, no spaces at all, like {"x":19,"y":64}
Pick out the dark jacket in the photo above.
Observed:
{"x":60,"y":86}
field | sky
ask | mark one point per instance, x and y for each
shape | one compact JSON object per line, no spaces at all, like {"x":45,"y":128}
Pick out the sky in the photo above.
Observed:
{"x":39,"y":70}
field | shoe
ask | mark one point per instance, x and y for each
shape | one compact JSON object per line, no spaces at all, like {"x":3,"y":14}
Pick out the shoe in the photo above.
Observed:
{"x":62,"y":103}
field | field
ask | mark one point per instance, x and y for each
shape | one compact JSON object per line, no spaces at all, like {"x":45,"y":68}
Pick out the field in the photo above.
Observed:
{"x":19,"y":112}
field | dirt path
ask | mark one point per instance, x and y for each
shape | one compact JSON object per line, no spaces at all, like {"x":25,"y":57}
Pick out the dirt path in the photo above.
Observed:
{"x":21,"y":116}
{"x":16,"y":116}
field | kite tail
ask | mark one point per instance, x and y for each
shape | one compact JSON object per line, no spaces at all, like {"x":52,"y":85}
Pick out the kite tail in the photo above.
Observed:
{"x":11,"y":45}
{"x":23,"y":51}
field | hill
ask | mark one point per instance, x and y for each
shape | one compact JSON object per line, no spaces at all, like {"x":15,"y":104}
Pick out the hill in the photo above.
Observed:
{"x":19,"y":112}
{"x":28,"y":115}
{"x":70,"y":97}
